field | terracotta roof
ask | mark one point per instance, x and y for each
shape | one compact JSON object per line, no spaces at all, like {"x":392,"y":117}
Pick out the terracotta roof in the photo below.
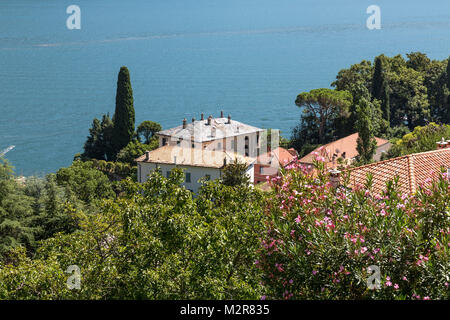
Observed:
{"x":200,"y":131}
{"x":279,"y":154}
{"x":347,"y":144}
{"x":413,"y":170}
{"x":195,"y":157}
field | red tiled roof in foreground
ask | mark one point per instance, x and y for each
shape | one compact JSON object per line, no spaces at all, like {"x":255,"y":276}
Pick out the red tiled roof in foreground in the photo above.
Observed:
{"x":413,"y":170}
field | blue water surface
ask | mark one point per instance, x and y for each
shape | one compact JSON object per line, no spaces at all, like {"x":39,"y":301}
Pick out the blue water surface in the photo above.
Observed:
{"x":249,"y":58}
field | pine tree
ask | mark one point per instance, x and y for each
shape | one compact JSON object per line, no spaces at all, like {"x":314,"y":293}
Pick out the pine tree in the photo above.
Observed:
{"x":99,"y":142}
{"x":124,"y":116}
{"x":92,"y":149}
{"x":366,"y":143}
{"x":107,"y":138}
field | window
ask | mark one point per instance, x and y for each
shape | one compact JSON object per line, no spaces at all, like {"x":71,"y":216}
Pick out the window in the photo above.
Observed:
{"x":208,"y":177}
{"x":178,"y":142}
{"x":219,"y":145}
{"x":188,"y":177}
{"x":232,"y":144}
{"x":261,"y":170}
{"x":246,"y":146}
{"x":164,"y":141}
{"x":193,"y":146}
{"x":167,"y":174}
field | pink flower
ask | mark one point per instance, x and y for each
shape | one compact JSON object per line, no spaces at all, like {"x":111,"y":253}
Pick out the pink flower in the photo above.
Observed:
{"x":320,"y":159}
{"x":315,"y":272}
{"x":279,"y":267}
{"x":396,"y":286}
{"x":404,"y":278}
{"x":426,"y":298}
{"x":363,"y":249}
{"x":388,"y":283}
{"x":298,"y":219}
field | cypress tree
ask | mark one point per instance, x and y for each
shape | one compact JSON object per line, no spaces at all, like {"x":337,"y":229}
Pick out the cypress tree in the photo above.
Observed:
{"x":380,"y":87}
{"x":385,"y":102}
{"x":378,"y":78}
{"x":366,"y":143}
{"x":447,"y":107}
{"x":448,"y":73}
{"x":124,"y":116}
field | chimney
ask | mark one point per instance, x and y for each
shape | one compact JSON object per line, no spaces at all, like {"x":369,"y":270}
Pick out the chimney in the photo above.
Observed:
{"x":224,"y":162}
{"x":193,"y":120}
{"x":221,"y":114}
{"x":202,"y":117}
{"x":147,"y":155}
{"x":441,"y":144}
{"x":335,"y":177}
{"x":184,"y":123}
{"x":229,"y":119}
{"x":209,"y":120}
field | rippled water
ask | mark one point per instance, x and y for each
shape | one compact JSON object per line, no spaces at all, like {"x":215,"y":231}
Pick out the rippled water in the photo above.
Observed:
{"x":249,"y":58}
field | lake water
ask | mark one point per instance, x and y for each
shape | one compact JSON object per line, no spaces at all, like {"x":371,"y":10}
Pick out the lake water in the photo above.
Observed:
{"x":249,"y":58}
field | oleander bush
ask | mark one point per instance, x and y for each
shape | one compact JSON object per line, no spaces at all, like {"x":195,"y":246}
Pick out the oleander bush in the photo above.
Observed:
{"x":321,"y":240}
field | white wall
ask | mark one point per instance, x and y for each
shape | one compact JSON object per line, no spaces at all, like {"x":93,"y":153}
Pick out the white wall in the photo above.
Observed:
{"x":251,"y":173}
{"x":197,"y":173}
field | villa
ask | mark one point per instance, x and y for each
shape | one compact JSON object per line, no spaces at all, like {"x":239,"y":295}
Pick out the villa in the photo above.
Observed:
{"x":202,"y":148}
{"x":214,"y":134}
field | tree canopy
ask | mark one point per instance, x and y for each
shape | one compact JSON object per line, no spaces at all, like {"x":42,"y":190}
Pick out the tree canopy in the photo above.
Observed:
{"x":325,"y":107}
{"x":147,"y":129}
